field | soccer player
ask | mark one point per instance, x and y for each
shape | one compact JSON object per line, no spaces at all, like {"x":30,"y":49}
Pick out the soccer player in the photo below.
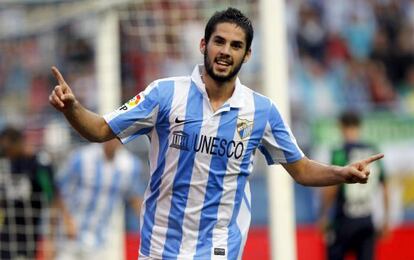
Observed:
{"x":92,"y":188}
{"x":205,"y":130}
{"x":350,"y":228}
{"x":26,"y":190}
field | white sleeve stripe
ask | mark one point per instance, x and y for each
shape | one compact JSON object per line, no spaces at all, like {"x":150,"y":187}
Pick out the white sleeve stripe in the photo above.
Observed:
{"x":148,"y":122}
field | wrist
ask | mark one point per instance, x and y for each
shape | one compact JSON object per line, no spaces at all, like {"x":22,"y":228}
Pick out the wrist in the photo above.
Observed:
{"x":339,"y":173}
{"x":71,"y":108}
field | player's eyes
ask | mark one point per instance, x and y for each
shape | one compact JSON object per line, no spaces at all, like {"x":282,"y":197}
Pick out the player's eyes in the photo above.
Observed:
{"x":237,"y":46}
{"x":219,"y":41}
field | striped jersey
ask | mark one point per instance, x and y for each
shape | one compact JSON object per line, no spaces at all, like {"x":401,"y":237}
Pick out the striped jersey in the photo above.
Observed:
{"x":94,"y":189}
{"x":197,"y":203}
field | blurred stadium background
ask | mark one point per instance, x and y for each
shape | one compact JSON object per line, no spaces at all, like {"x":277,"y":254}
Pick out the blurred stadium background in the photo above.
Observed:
{"x":355,"y":54}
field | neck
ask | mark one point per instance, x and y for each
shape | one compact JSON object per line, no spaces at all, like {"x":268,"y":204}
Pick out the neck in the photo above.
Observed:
{"x":218,"y":92}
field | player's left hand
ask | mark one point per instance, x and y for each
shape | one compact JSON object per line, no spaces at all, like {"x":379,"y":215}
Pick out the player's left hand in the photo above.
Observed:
{"x":358,"y":172}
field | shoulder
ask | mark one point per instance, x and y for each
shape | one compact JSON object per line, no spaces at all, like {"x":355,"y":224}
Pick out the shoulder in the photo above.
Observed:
{"x":268,"y":105}
{"x":264,"y":101}
{"x":170,"y":81}
{"x":165,"y":87}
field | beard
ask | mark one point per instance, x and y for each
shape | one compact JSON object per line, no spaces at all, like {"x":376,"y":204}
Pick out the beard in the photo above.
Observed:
{"x":208,"y":65}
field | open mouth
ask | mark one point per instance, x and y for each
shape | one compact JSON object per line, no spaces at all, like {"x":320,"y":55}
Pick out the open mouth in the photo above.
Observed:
{"x":223,"y":64}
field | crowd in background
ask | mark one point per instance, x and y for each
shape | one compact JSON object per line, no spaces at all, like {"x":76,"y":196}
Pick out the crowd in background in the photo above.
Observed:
{"x":351,"y":55}
{"x":359,"y":53}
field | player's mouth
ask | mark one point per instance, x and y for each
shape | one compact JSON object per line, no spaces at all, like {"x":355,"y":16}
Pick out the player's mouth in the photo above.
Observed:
{"x":223,"y":64}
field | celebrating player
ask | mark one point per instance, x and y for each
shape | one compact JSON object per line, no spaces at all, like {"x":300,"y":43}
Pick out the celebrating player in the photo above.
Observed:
{"x":205,"y":130}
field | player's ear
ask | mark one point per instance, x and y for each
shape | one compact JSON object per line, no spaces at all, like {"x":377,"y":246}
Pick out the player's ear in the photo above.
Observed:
{"x":247,"y":55}
{"x":202,"y":46}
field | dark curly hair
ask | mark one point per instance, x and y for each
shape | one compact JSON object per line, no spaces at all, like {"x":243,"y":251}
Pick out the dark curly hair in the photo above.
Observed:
{"x":230,"y":15}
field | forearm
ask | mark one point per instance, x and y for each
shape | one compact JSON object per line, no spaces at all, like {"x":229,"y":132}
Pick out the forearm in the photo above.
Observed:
{"x":311,"y":173}
{"x":319,"y":174}
{"x":88,"y":124}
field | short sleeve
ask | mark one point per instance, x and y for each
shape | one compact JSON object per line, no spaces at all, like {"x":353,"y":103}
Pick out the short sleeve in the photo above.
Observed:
{"x":137,"y":116}
{"x":278,"y":144}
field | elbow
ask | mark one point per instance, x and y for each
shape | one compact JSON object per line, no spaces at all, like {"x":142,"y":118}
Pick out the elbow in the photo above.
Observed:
{"x":303,"y":181}
{"x":97,"y":139}
{"x":300,"y":178}
{"x":100,"y":135}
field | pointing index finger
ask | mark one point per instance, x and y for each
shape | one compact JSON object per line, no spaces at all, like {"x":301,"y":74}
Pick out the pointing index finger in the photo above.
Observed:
{"x":374,"y":158}
{"x":58,"y":76}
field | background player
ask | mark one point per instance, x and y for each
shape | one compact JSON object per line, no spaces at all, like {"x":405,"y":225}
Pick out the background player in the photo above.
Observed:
{"x":350,"y":227}
{"x":26,"y":190}
{"x":92,"y":188}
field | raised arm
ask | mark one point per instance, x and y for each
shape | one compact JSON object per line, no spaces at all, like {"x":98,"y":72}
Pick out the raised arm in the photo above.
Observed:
{"x":311,"y":173}
{"x":89,"y":124}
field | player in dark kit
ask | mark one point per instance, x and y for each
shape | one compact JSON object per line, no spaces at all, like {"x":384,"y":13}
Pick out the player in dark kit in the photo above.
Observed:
{"x":351,"y":228}
{"x":26,"y":187}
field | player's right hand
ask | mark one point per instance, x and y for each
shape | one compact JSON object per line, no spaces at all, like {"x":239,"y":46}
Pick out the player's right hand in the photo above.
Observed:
{"x":62,"y":97}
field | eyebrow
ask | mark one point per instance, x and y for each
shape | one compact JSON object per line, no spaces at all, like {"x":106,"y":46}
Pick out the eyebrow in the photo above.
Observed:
{"x":218,"y":37}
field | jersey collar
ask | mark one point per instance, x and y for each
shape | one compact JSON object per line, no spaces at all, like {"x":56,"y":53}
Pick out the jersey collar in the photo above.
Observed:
{"x":236,"y":100}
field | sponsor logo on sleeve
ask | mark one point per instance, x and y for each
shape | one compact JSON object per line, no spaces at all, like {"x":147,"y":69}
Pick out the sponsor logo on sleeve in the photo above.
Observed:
{"x":133,"y":102}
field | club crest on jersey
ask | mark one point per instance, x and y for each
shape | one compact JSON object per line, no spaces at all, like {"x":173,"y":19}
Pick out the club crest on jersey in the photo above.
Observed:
{"x":131,"y":103}
{"x":244,"y":128}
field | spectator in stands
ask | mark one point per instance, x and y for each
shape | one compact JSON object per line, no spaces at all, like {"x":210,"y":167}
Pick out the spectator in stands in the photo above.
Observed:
{"x":381,"y":88}
{"x":311,"y":34}
{"x":26,"y":188}
{"x":92,"y":188}
{"x":350,"y":227}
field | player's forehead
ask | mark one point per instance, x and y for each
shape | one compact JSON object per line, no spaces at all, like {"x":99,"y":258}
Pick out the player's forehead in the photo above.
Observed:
{"x":229,"y":31}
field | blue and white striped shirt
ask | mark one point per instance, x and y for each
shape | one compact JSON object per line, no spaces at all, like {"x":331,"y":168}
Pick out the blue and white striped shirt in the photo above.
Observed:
{"x":197,"y":203}
{"x":93,"y":189}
